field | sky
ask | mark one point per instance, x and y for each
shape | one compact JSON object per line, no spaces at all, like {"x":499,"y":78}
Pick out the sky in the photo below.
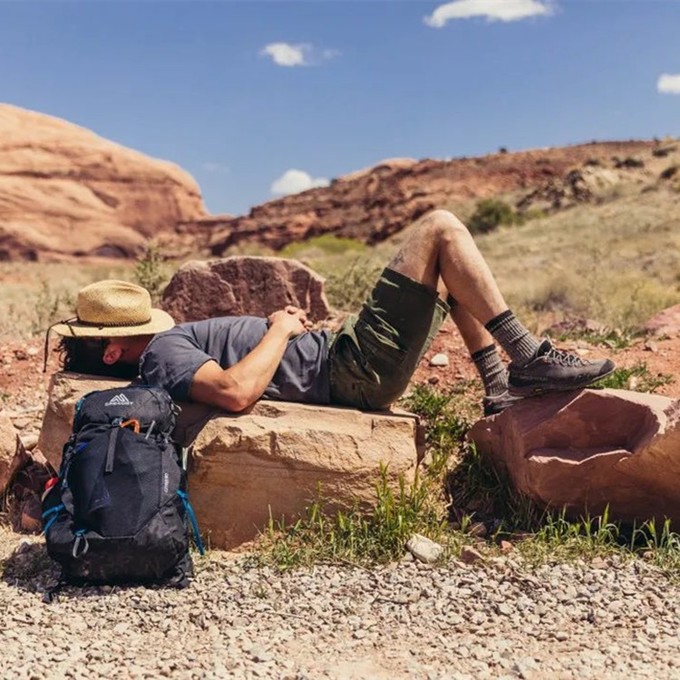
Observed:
{"x":257,"y":99}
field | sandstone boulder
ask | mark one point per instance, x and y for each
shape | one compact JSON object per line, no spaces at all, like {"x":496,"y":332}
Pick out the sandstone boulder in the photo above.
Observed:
{"x":271,"y":461}
{"x":65,"y":191}
{"x":591,"y":449}
{"x":239,"y":285}
{"x":666,"y":322}
{"x":280,"y":456}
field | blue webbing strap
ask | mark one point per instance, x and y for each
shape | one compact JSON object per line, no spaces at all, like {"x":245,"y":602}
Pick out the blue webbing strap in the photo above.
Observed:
{"x":55,"y":513}
{"x":192,"y":518}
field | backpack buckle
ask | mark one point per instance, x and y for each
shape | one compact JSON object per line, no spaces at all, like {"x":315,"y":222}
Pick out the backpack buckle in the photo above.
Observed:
{"x":76,"y":544}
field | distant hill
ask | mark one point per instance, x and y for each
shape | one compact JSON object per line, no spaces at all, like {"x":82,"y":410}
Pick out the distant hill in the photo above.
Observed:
{"x":374,"y":204}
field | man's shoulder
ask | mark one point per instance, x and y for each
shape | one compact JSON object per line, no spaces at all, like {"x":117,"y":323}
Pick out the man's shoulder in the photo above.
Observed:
{"x":196,"y":332}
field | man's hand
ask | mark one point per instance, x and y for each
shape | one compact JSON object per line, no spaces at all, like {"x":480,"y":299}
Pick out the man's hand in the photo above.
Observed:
{"x":291,"y":320}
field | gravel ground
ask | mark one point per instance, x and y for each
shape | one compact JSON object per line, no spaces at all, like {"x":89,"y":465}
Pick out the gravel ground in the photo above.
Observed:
{"x":619,"y":619}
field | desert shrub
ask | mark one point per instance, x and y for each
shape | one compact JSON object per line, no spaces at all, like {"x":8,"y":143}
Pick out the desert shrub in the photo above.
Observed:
{"x":357,"y":535}
{"x":348,"y":287}
{"x":669,"y":172}
{"x":663,"y":152}
{"x":628,"y":162}
{"x":50,"y":304}
{"x":152,"y":271}
{"x":489,"y":214}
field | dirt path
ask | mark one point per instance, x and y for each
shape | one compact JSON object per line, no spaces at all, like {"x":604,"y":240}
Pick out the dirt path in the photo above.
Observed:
{"x":502,"y":619}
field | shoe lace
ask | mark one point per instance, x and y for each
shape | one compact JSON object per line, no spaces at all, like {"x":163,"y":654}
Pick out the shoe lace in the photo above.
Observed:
{"x":563,"y":358}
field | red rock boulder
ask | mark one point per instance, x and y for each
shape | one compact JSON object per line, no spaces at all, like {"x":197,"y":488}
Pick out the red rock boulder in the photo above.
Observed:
{"x":666,"y":322}
{"x":591,"y":449}
{"x":238,"y":285}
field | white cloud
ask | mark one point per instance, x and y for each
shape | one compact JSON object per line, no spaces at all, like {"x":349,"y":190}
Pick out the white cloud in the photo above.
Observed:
{"x":493,"y":10}
{"x":285,"y":54}
{"x":668,"y":83}
{"x":293,"y":181}
{"x":303,"y":54}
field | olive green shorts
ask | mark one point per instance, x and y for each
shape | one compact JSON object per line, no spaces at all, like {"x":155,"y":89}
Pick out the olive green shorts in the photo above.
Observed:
{"x":374,"y":355}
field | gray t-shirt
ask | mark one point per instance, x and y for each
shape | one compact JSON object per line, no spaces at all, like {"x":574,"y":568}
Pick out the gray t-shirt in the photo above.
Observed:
{"x":172,"y":358}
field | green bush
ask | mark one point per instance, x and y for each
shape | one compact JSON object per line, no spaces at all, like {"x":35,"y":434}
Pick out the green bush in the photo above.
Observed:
{"x":152,"y":272}
{"x":489,"y":214}
{"x":350,"y":286}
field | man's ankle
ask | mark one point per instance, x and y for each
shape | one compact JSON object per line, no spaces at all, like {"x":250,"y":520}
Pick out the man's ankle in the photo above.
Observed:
{"x":520,"y":345}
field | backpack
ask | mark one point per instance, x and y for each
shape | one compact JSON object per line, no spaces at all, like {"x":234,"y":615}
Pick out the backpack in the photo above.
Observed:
{"x":119,"y":512}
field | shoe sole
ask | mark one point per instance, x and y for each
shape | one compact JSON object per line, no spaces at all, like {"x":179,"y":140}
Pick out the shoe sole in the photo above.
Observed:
{"x":496,"y":409}
{"x":537,"y":390}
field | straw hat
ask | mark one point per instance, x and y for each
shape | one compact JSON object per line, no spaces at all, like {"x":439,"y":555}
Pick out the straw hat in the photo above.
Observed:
{"x":114,"y":309}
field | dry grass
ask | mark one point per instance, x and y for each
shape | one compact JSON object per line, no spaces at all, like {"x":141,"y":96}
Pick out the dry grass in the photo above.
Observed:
{"x":617,"y":263}
{"x":34,"y":295}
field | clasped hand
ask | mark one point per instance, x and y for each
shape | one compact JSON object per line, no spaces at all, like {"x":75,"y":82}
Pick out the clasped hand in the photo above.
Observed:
{"x":292,"y":320}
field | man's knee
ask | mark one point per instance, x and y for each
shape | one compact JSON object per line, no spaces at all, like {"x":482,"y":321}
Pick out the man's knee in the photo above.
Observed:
{"x":442,"y":225}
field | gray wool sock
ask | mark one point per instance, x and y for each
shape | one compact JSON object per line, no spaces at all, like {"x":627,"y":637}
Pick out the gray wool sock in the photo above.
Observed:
{"x":513,"y":337}
{"x":491,"y":370}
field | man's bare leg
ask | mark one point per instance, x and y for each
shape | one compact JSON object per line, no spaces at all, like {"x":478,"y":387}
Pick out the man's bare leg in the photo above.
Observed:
{"x":442,"y":246}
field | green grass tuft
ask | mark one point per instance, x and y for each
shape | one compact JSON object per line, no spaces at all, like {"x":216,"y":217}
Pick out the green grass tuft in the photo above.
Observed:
{"x":637,"y":377}
{"x":356,"y":536}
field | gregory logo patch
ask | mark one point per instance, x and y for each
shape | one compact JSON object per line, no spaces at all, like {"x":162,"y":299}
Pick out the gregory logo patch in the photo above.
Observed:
{"x":119,"y":400}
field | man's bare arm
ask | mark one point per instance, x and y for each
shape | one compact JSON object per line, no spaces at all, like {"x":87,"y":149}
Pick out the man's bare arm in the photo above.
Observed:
{"x":239,"y":386}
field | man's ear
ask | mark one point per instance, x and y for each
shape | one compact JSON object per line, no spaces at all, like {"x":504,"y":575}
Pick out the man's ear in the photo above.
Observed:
{"x":112,"y":353}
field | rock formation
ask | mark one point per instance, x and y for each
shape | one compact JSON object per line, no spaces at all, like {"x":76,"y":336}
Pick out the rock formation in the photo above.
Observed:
{"x":64,"y":191}
{"x":371,"y":205}
{"x":666,"y":322}
{"x":273,"y":460}
{"x":591,"y":449}
{"x":8,"y":448}
{"x":238,"y":285}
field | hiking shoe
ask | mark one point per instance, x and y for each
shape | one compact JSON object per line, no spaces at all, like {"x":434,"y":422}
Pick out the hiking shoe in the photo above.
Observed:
{"x":497,"y":403}
{"x":553,"y":370}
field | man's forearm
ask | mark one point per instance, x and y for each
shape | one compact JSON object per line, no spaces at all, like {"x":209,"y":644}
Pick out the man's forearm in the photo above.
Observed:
{"x":255,"y":371}
{"x":237,"y":387}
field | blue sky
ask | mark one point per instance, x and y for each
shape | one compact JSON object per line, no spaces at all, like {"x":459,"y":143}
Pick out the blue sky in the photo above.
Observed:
{"x":242,"y":93}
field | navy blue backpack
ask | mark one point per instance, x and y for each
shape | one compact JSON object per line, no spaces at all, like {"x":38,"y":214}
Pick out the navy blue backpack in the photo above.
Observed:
{"x":119,"y":512}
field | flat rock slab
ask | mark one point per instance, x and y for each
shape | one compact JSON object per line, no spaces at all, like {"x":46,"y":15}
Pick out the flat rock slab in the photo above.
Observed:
{"x":272,"y":461}
{"x":591,"y":449}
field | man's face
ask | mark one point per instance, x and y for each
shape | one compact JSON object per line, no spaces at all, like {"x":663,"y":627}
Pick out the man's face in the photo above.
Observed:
{"x":116,"y":350}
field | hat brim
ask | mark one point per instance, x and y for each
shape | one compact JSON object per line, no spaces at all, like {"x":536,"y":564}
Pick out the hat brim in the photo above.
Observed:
{"x":160,"y":321}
